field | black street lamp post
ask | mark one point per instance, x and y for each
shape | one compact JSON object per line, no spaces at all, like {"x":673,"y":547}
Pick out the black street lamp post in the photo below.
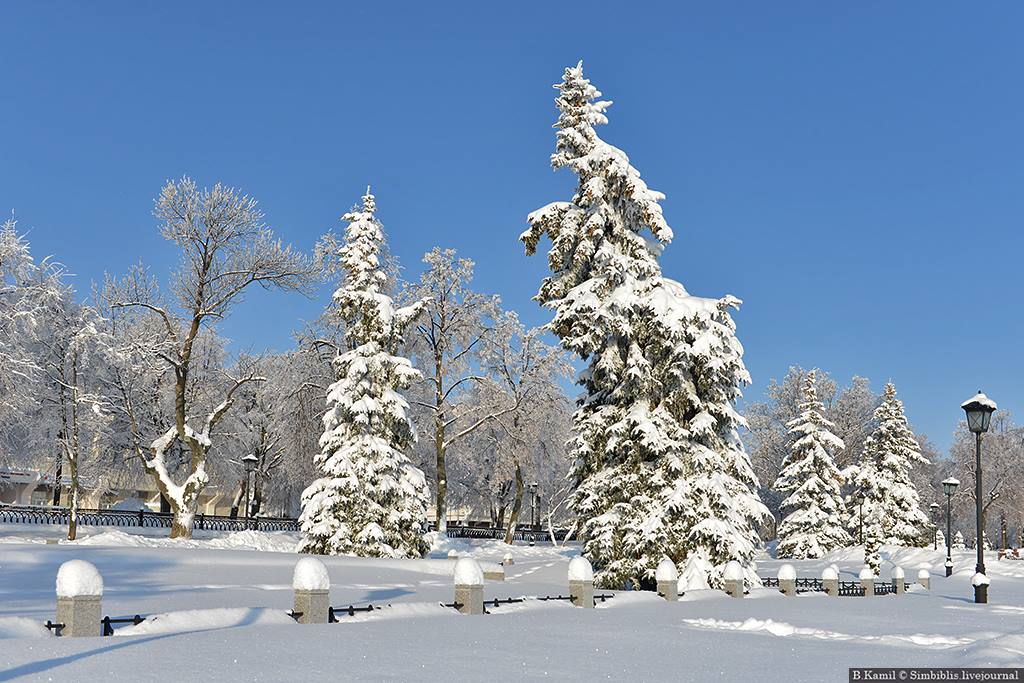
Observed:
{"x":934,"y":507}
{"x":949,"y":488}
{"x":979,"y":409}
{"x":250,"y":464}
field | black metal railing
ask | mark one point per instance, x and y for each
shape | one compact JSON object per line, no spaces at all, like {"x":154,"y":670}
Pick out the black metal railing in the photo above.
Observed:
{"x":31,"y":514}
{"x":108,"y":622}
{"x":522,"y":532}
{"x":851,"y":588}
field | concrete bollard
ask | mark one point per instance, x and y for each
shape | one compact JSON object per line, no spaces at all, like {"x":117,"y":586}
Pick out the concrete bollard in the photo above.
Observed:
{"x":830,"y":581}
{"x":79,"y":598}
{"x":787,"y":580}
{"x":494,"y":572}
{"x":867,"y":581}
{"x":581,"y":582}
{"x":924,"y":578}
{"x":469,"y":586}
{"x":732,"y":578}
{"x":312,"y":588}
{"x":899,"y":584}
{"x":453,"y":555}
{"x":508,"y":561}
{"x":667,"y":577}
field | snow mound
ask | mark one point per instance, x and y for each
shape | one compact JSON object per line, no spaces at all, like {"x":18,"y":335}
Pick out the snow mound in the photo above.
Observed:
{"x":580,"y":569}
{"x":695,"y":573}
{"x":207,"y":620}
{"x":263,"y":541}
{"x":78,"y":577}
{"x":733,"y":571}
{"x":310,"y":575}
{"x":467,"y":572}
{"x":21,"y":627}
{"x":783,"y":629}
{"x":787,"y":572}
{"x":666,"y":571}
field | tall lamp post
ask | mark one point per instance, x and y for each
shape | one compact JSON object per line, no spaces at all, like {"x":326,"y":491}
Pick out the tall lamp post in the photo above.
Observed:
{"x":934,"y":507}
{"x":949,"y":488}
{"x":250,"y":464}
{"x":979,"y":409}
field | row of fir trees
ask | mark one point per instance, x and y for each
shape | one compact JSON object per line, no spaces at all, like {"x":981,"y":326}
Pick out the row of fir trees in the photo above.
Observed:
{"x":659,"y":467}
{"x":881,"y":503}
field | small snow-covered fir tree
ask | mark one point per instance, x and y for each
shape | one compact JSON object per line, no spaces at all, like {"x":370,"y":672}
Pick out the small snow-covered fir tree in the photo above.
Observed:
{"x":958,"y":542}
{"x":892,"y":506}
{"x":370,"y":499}
{"x":940,"y":538}
{"x":811,"y":482}
{"x":658,"y":464}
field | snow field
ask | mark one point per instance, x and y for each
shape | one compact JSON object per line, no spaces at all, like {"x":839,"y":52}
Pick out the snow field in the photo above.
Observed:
{"x":215,"y":602}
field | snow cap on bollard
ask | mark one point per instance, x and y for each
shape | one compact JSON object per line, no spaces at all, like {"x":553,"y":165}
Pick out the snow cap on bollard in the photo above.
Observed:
{"x":787,"y":572}
{"x":866,"y":573}
{"x":980,"y":579}
{"x":310,"y":575}
{"x":829,"y":574}
{"x":924,"y":574}
{"x":452,"y":555}
{"x":666,"y":571}
{"x":467,"y":572}
{"x":580,"y":569}
{"x":78,"y":577}
{"x":733,"y":571}
{"x":897,"y":572}
{"x":508,"y":560}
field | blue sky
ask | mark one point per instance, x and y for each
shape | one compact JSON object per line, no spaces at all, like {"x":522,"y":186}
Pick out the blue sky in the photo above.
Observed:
{"x":852,"y":171}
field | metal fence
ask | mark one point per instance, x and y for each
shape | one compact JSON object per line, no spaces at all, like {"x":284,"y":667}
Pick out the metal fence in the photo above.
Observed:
{"x":522,"y":533}
{"x":30,"y":514}
{"x":846,"y":588}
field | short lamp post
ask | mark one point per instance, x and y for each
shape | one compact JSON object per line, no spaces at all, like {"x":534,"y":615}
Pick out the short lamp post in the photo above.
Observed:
{"x":979,"y":409}
{"x":934,"y":507}
{"x":949,"y":488}
{"x":533,"y":504}
{"x":250,"y":465}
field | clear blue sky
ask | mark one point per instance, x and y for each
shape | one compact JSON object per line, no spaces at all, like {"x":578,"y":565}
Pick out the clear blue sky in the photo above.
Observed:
{"x":853,"y":171}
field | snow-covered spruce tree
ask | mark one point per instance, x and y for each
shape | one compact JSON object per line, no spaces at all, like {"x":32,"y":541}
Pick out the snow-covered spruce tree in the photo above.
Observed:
{"x":892,"y":507}
{"x":370,"y":500}
{"x":958,"y":542}
{"x":811,"y":481}
{"x":659,"y":468}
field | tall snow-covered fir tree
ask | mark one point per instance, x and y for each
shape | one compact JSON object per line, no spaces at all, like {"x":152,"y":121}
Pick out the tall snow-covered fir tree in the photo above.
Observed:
{"x":813,"y":506}
{"x":892,"y":506}
{"x":659,"y":467}
{"x":370,"y":500}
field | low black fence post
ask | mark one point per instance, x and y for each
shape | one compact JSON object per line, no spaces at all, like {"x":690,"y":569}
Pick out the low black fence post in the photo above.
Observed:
{"x":142,"y":517}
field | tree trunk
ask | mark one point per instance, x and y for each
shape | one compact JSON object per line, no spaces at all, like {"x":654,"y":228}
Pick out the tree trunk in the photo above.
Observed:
{"x":513,"y":519}
{"x":440,"y":503}
{"x":239,"y":496}
{"x":73,"y":452}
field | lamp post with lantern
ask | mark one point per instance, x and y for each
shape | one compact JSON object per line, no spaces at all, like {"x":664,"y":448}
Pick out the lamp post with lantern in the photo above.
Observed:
{"x":934,"y":507}
{"x":979,"y":409}
{"x":949,"y":488}
{"x":250,"y":464}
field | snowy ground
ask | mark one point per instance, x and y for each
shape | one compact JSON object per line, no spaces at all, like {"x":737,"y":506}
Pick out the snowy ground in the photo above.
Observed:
{"x":235,"y":588}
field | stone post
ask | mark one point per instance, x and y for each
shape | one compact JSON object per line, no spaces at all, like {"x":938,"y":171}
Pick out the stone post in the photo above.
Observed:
{"x":469,"y":586}
{"x":494,"y":572}
{"x":899,"y":583}
{"x":667,"y":577}
{"x":312,"y":587}
{"x":867,"y":581}
{"x":79,"y":597}
{"x":787,"y":580}
{"x":581,"y":582}
{"x":924,"y":578}
{"x":830,"y":581}
{"x":732,"y":579}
